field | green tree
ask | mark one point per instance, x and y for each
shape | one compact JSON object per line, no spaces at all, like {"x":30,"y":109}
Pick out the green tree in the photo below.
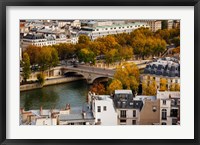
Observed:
{"x":54,"y":58}
{"x":26,"y":66}
{"x":44,"y":58}
{"x":164,"y":24}
{"x":65,"y":50}
{"x":86,"y":55}
{"x":176,"y":41}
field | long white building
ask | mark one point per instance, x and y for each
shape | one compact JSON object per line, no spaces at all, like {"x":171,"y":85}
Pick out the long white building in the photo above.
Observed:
{"x":101,"y":31}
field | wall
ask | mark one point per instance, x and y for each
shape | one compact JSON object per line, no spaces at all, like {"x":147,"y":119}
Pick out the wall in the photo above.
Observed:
{"x":147,"y":115}
{"x":108,"y":117}
{"x":49,"y":82}
{"x":129,"y":116}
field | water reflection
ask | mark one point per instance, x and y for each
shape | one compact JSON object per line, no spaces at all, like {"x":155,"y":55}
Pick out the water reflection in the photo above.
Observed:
{"x":56,"y":96}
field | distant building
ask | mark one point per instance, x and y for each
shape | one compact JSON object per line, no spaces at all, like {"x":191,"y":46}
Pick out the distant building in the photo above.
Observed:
{"x":104,"y":30}
{"x":169,"y":24}
{"x":154,"y":25}
{"x":41,"y":39}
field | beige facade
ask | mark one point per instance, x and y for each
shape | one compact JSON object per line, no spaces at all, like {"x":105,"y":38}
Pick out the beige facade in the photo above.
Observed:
{"x":150,"y":113}
{"x":128,"y":116}
{"x":154,"y":25}
{"x":147,"y":78}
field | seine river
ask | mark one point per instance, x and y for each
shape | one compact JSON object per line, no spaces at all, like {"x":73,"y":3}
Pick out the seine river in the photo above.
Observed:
{"x":56,"y":96}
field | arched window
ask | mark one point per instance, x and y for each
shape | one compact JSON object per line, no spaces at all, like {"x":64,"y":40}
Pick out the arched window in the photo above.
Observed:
{"x":164,"y":114}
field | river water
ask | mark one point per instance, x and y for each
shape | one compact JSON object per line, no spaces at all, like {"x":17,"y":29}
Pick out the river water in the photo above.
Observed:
{"x":56,"y":96}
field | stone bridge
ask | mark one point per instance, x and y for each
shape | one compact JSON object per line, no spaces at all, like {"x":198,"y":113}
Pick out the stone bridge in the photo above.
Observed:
{"x":89,"y":73}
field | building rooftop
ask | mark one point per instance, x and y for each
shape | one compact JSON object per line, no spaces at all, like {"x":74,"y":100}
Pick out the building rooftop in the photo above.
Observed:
{"x":78,"y":113}
{"x":123,"y":92}
{"x":143,"y":97}
{"x":124,"y":99}
{"x":169,"y":67}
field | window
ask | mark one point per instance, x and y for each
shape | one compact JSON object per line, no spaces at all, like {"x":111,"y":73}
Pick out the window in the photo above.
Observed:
{"x":164,"y":114}
{"x":164,"y":123}
{"x":178,"y":103}
{"x":123,"y":121}
{"x":164,"y":102}
{"x":172,"y":102}
{"x":98,"y":108}
{"x":133,"y":122}
{"x":123,"y":113}
{"x":154,"y":108}
{"x":134,"y":113}
{"x":104,"y":108}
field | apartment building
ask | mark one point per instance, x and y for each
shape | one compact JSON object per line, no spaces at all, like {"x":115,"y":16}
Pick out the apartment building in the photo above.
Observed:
{"x":165,"y":68}
{"x":169,"y":107}
{"x":128,"y":109}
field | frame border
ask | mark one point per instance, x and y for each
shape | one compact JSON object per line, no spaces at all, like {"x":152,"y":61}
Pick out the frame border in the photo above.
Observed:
{"x":5,"y":3}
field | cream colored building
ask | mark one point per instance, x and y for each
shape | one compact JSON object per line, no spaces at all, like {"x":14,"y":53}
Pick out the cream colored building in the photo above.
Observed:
{"x":169,"y":107}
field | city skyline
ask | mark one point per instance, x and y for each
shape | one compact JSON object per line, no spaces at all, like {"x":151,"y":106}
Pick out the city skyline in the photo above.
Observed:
{"x":103,"y":72}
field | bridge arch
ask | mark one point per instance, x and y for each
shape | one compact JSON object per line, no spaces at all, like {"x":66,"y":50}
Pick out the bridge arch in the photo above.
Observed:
{"x":90,"y":77}
{"x":100,"y":77}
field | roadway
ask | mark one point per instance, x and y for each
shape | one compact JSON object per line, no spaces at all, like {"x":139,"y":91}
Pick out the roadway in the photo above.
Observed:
{"x":90,"y":69}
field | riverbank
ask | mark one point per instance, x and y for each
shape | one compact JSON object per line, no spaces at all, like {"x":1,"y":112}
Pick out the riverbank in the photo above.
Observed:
{"x":49,"y":82}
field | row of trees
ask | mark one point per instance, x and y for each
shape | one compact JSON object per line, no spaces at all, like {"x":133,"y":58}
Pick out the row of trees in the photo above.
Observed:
{"x":141,"y":42}
{"x":45,"y":57}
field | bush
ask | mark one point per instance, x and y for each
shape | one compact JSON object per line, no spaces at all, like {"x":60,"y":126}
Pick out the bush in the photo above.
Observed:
{"x":41,"y":78}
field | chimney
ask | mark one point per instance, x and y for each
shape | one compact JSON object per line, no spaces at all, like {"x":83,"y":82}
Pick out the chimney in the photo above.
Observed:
{"x":67,"y":106}
{"x":84,"y":114}
{"x":41,"y":112}
{"x":22,"y":110}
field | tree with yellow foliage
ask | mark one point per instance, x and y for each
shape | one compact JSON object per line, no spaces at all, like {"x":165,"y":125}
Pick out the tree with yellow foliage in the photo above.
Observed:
{"x":114,"y":85}
{"x":128,"y":75}
{"x":150,"y":89}
{"x":163,"y":84}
